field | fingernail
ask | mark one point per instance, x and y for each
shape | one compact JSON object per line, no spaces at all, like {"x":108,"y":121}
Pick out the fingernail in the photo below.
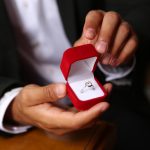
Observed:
{"x":60,"y":90}
{"x":101,"y":47}
{"x":90,"y":33}
{"x":106,"y":59}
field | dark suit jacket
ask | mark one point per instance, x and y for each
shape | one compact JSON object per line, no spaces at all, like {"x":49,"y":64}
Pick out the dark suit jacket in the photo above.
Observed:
{"x":73,"y":13}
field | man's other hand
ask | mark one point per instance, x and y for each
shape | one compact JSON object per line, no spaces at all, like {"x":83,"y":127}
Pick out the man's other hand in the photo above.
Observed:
{"x":112,"y":37}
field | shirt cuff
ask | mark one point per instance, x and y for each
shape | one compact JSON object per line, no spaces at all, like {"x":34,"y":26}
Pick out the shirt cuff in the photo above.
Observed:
{"x":113,"y":73}
{"x":4,"y":103}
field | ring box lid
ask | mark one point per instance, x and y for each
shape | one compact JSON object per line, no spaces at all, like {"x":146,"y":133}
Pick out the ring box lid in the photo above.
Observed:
{"x":72,"y":60}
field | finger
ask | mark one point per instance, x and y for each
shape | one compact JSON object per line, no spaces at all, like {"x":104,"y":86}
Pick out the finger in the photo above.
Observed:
{"x":121,"y":37}
{"x":104,"y":58}
{"x":38,"y":95}
{"x":128,"y":51}
{"x":47,"y":116}
{"x":92,"y":24}
{"x":78,"y":120}
{"x":120,"y":40}
{"x":107,"y":31}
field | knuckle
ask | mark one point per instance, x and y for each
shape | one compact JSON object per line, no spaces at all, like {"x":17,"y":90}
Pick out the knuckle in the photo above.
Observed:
{"x":49,"y":93}
{"x":113,"y":15}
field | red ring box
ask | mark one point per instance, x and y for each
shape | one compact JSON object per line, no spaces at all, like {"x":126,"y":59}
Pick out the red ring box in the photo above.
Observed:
{"x":78,"y":65}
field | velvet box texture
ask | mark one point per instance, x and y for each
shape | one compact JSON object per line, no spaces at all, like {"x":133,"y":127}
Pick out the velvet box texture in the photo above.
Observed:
{"x":78,"y":65}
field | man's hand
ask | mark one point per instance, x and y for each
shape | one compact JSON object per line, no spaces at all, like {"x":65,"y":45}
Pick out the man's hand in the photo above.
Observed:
{"x":112,"y":37}
{"x":36,"y":106}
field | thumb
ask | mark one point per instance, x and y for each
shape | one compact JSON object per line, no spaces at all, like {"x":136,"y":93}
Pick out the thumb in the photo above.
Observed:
{"x":91,"y":27}
{"x":49,"y":93}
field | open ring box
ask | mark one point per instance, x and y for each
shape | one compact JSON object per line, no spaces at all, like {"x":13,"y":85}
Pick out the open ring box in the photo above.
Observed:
{"x":78,"y":66}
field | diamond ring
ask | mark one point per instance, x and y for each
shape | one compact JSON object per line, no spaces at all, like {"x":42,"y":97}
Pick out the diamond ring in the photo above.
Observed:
{"x":88,"y":86}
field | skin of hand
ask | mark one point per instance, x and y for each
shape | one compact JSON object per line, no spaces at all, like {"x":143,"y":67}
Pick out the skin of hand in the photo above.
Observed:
{"x":113,"y":38}
{"x":35,"y":105}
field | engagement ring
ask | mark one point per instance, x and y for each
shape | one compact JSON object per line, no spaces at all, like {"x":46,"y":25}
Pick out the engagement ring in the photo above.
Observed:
{"x":88,"y":86}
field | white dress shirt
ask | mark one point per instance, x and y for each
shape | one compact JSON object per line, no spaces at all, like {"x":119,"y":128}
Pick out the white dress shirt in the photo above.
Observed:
{"x":39,"y":21}
{"x":41,"y":43}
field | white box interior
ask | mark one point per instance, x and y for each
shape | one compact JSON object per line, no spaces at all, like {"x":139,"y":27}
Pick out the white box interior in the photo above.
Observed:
{"x":80,"y":73}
